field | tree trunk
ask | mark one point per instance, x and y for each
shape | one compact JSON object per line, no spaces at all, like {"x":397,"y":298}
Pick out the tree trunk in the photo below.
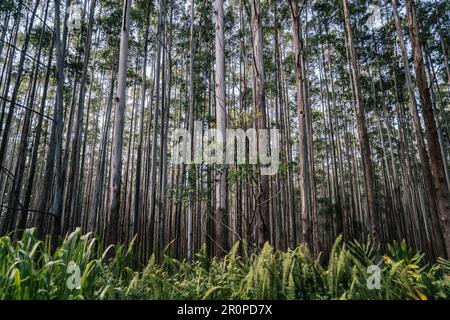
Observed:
{"x":302,"y":110}
{"x":117,"y":139}
{"x":262,"y":212}
{"x":59,"y":106}
{"x":369,"y":175}
{"x":437,"y":166}
{"x":221,"y":113}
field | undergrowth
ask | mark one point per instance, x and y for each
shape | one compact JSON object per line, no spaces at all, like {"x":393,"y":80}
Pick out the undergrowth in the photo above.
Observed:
{"x":79,"y":269}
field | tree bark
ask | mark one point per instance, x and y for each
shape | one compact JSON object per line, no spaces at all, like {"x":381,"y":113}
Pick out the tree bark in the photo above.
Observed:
{"x":369,"y":175}
{"x":302,"y":110}
{"x":221,"y":113}
{"x":117,"y":139}
{"x":437,"y":166}
{"x":262,"y":212}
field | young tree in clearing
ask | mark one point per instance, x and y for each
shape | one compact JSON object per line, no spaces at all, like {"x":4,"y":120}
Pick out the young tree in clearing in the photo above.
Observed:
{"x":221,"y":112}
{"x":117,"y":139}
{"x":262,"y":212}
{"x":304,"y":178}
{"x":437,"y":164}
{"x":369,"y":175}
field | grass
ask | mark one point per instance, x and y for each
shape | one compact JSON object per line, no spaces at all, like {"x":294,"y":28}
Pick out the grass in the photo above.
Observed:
{"x":78,"y":269}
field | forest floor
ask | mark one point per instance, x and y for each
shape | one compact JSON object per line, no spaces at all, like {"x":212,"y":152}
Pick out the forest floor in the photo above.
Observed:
{"x":79,"y":269}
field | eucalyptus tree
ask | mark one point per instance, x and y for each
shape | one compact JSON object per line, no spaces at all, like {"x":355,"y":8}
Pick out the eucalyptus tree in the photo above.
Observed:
{"x":262,"y":215}
{"x":369,"y":175}
{"x":302,"y":110}
{"x":117,"y":142}
{"x":221,"y":221}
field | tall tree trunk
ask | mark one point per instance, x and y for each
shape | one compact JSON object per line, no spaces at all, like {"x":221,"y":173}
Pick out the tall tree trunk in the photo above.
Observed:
{"x":221,"y":113}
{"x":369,"y":175}
{"x":262,"y":212}
{"x":154,"y":159}
{"x":166,"y":90}
{"x":137,"y":195}
{"x":117,"y":139}
{"x":73,"y":179}
{"x":58,"y":118}
{"x":302,"y":110}
{"x":437,"y":166}
{"x":100,"y":177}
{"x":191,"y":116}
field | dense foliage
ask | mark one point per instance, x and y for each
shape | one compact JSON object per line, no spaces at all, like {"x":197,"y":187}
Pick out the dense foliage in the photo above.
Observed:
{"x":32,"y":269}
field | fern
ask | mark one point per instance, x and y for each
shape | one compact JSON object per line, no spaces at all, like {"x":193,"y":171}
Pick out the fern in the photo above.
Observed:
{"x":30,"y":269}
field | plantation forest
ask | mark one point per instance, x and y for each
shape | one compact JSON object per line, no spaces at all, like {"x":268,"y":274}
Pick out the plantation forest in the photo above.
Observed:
{"x":355,"y":95}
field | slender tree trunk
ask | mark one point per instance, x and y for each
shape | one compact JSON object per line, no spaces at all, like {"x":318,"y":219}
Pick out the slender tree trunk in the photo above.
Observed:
{"x":154,"y":160}
{"x":137,"y":195}
{"x":221,"y":220}
{"x":100,"y":178}
{"x":262,"y":212}
{"x":58,"y":118}
{"x":117,"y":139}
{"x":369,"y":175}
{"x":191,"y":116}
{"x":302,"y":109}
{"x":73,"y":179}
